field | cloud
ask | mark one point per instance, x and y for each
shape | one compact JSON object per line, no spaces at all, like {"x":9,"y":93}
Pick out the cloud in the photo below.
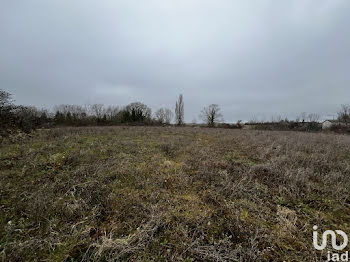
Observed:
{"x":250,"y":57}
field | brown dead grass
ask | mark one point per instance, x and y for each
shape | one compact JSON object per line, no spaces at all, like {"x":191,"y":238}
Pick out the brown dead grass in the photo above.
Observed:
{"x":176,"y":194}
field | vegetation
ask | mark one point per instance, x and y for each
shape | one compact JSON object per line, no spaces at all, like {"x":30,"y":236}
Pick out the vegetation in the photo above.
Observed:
{"x":16,"y":117}
{"x":136,"y":112}
{"x":211,"y":115}
{"x":13,"y":117}
{"x":164,"y":116}
{"x":286,"y":125}
{"x":178,"y":193}
{"x":179,"y":111}
{"x":344,"y":114}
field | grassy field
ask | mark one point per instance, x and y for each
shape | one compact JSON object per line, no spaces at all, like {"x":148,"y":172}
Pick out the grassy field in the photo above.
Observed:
{"x":168,"y":193}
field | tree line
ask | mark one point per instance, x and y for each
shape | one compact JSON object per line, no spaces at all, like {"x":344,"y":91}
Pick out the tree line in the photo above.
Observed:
{"x":98,"y":114}
{"x":27,"y":118}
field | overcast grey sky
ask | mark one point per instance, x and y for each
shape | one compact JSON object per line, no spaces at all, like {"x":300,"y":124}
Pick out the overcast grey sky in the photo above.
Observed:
{"x":253,"y":58}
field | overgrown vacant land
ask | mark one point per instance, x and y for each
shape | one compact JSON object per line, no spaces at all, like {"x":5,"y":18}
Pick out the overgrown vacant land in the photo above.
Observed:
{"x":157,"y":193}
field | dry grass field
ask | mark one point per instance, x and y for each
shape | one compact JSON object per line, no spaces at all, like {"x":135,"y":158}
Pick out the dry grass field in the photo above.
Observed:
{"x":171,"y":194}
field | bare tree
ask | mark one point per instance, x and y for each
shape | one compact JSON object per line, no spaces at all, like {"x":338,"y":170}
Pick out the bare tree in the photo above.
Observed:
{"x":6,"y":109}
{"x":211,"y":114}
{"x":179,"y":110}
{"x":62,"y":109}
{"x":344,"y":114}
{"x":276,"y":119}
{"x":112,"y":112}
{"x":160,"y":115}
{"x":303,"y":116}
{"x":313,"y":117}
{"x":163,"y":115}
{"x":97,"y":110}
{"x":168,"y":115}
{"x":5,"y":99}
{"x":254,"y":119}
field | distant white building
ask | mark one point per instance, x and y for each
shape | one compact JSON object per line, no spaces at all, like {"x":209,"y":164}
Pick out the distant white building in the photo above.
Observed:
{"x":327,"y":124}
